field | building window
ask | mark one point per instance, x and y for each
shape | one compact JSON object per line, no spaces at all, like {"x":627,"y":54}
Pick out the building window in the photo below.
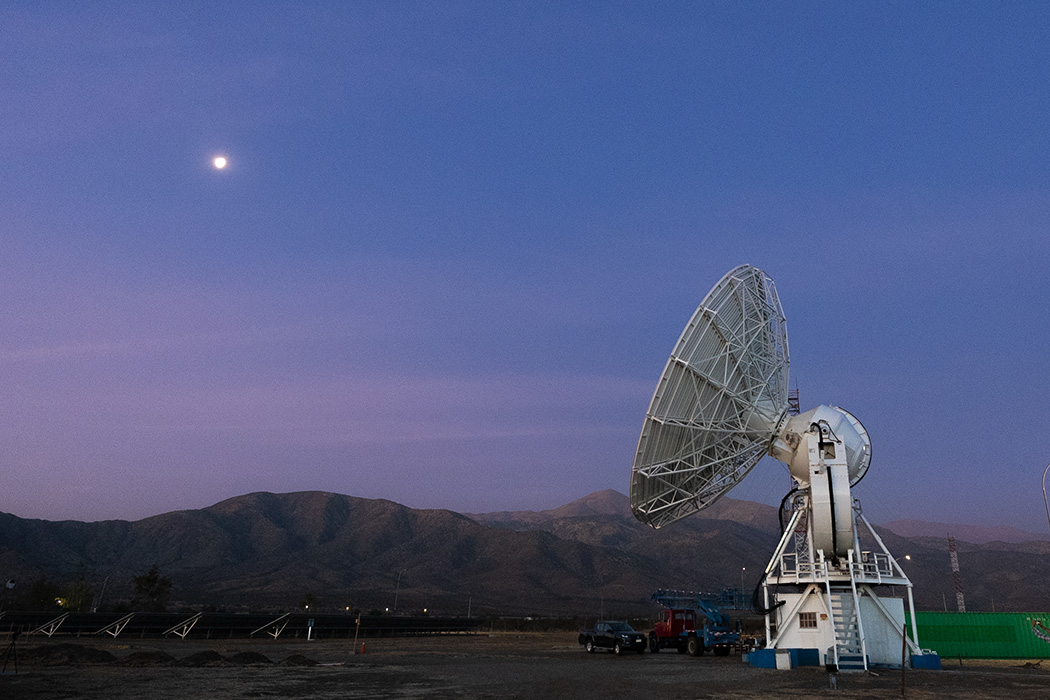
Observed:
{"x":807,"y":620}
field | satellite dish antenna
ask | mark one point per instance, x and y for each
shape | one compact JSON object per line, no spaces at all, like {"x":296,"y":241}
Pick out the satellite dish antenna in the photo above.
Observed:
{"x":719,"y":402}
{"x":721,"y":405}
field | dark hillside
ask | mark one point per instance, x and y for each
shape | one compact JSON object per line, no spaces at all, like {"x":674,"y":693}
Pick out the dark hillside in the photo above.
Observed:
{"x":265,"y":550}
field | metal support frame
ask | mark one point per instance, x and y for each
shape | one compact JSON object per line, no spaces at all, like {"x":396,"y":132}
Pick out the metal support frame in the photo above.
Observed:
{"x":914,"y":642}
{"x":856,"y":576}
{"x":50,"y":627}
{"x":275,"y":627}
{"x":115,"y":628}
{"x":184,"y":627}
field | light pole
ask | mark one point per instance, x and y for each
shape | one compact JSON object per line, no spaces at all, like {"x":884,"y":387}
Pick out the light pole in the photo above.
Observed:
{"x":740,"y":605}
{"x":397,"y":588}
{"x":1044,"y":494}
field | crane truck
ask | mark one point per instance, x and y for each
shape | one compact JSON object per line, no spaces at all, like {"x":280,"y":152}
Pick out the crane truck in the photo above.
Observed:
{"x":681,"y":626}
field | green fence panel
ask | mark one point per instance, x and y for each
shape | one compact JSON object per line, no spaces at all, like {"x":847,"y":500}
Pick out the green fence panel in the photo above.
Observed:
{"x":985,"y":635}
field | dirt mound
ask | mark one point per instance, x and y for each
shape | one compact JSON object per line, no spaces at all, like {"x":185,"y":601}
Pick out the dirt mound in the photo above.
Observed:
{"x":248,"y":658}
{"x":148,"y":658}
{"x":203,"y":658}
{"x":64,"y":655}
{"x":298,"y":660}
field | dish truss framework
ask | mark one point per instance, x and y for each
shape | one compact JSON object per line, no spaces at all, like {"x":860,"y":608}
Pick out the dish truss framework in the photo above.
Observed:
{"x":722,"y":394}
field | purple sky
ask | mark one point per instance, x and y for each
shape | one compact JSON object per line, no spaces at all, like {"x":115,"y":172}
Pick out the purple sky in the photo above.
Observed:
{"x":456,"y":242}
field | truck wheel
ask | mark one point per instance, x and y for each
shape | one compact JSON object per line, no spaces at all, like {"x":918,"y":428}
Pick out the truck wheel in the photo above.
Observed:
{"x":589,"y":647}
{"x":695,"y":647}
{"x":654,"y":643}
{"x":617,"y":649}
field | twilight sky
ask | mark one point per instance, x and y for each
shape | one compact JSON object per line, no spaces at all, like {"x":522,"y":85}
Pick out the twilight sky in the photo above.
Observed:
{"x":456,"y":242}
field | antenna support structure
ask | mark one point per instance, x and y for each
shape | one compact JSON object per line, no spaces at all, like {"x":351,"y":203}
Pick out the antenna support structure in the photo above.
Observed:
{"x":721,"y":405}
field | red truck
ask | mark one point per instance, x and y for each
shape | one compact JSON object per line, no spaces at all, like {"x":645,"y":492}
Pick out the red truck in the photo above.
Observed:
{"x":681,"y":627}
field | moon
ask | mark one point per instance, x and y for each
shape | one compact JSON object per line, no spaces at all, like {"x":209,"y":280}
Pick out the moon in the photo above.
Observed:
{"x":219,"y":162}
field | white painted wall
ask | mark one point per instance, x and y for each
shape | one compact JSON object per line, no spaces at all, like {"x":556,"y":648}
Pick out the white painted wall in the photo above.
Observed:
{"x":794,"y":638}
{"x":881,"y":635}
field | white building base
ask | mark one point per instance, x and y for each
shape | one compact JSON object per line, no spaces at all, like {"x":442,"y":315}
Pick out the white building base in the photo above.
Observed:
{"x":883,"y":621}
{"x":831,"y":604}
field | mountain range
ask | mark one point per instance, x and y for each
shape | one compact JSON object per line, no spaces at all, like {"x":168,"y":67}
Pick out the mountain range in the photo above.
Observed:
{"x":273,"y":551}
{"x":969,"y":533}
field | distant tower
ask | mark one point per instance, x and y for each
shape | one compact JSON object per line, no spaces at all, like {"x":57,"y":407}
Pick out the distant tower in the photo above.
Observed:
{"x":955,"y":574}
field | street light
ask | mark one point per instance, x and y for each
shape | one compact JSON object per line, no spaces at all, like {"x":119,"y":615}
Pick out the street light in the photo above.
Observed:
{"x":1044,"y":494}
{"x":740,"y":605}
{"x":397,"y":588}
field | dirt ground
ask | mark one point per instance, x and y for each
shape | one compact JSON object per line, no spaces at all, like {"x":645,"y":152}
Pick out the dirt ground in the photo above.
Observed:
{"x":490,"y":667}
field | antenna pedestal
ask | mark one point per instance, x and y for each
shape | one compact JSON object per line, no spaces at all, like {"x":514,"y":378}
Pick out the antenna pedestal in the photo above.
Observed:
{"x":841,"y":606}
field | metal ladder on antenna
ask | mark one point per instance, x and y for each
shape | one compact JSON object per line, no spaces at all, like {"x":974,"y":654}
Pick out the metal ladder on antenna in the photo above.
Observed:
{"x":849,"y":646}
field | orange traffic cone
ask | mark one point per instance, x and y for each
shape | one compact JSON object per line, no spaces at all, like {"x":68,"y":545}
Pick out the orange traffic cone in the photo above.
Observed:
{"x":362,"y":647}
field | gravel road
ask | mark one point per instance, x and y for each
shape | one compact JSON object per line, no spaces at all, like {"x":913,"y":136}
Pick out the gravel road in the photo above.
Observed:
{"x":491,"y":667}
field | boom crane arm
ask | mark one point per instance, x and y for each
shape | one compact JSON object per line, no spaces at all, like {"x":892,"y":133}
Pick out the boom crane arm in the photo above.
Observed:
{"x":705,"y":603}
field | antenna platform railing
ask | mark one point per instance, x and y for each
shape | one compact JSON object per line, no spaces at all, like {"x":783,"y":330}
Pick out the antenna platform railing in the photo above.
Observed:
{"x":796,"y":569}
{"x":874,"y":568}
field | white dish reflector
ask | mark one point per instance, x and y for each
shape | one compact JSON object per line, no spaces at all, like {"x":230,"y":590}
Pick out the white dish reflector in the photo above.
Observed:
{"x":719,"y":403}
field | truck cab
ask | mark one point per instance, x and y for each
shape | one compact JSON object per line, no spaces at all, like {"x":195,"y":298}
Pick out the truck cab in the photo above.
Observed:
{"x":673,"y":630}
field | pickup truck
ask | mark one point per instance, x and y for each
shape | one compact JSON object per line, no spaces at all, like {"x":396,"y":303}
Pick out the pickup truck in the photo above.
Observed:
{"x":618,"y":637}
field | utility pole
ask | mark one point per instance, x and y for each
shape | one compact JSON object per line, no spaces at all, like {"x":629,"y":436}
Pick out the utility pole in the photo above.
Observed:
{"x":955,"y":574}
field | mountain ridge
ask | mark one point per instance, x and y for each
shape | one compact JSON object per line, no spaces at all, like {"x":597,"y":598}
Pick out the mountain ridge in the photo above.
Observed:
{"x":267,"y":550}
{"x":977,"y":534}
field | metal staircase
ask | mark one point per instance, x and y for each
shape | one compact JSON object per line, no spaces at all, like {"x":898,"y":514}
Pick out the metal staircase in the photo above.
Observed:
{"x":849,"y":644}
